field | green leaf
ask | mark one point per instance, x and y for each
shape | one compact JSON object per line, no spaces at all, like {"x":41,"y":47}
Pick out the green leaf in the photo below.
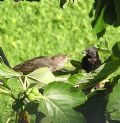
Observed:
{"x":33,"y":83}
{"x":94,"y":108}
{"x":100,"y":24}
{"x":45,"y":120}
{"x":110,"y":14}
{"x":32,"y":118}
{"x":62,"y":2}
{"x":75,"y":63}
{"x":117,"y":9}
{"x":65,"y":2}
{"x":58,"y":101}
{"x":116,"y":49}
{"x":6,"y":110}
{"x":80,"y":78}
{"x":101,"y":73}
{"x":15,"y":86}
{"x":113,"y":110}
{"x":6,"y":72}
{"x":108,"y":69}
{"x":43,"y":75}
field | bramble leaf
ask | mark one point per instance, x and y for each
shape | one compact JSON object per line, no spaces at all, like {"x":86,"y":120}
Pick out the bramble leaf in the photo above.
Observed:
{"x":58,"y":102}
{"x":14,"y":85}
{"x":100,"y":25}
{"x":43,"y":75}
{"x":6,"y":72}
{"x":113,"y":110}
{"x":91,"y":79}
{"x":116,"y":49}
{"x":6,"y":110}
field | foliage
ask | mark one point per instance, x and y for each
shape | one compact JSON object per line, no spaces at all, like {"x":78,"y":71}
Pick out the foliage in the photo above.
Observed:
{"x":32,"y":25}
{"x":116,"y":49}
{"x":113,"y":104}
{"x":106,"y":12}
{"x":40,"y":97}
{"x":56,"y":102}
{"x":64,"y":101}
{"x":5,"y":107}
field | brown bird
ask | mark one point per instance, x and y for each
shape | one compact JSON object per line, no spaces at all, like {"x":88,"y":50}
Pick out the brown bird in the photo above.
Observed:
{"x":54,"y":63}
{"x":91,"y":61}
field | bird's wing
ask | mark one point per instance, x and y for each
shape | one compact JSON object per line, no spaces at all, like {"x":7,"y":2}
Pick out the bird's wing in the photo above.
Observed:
{"x":26,"y":67}
{"x":33,"y":64}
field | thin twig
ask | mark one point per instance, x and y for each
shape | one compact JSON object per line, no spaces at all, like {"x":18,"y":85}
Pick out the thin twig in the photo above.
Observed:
{"x":22,"y":83}
{"x":4,"y":91}
{"x":25,"y":82}
{"x":8,"y":120}
{"x":17,"y":117}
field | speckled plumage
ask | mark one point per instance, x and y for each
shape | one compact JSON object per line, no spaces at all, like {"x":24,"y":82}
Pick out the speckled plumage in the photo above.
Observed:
{"x":91,"y":61}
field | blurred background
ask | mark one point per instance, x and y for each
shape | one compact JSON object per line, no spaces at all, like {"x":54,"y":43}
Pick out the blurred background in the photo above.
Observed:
{"x":31,"y":29}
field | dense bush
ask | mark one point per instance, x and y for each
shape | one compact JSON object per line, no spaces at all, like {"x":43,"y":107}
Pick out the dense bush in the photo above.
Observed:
{"x":29,"y":29}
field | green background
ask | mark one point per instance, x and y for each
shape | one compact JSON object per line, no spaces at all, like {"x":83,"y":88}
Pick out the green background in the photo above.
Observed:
{"x":31,"y":29}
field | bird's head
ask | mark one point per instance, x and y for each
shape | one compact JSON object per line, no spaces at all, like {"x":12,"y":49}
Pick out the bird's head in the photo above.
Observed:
{"x":92,"y":52}
{"x":61,"y":59}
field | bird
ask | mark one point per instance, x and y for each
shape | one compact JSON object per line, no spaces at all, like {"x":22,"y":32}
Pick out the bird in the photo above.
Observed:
{"x":91,"y":60}
{"x":55,"y":63}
